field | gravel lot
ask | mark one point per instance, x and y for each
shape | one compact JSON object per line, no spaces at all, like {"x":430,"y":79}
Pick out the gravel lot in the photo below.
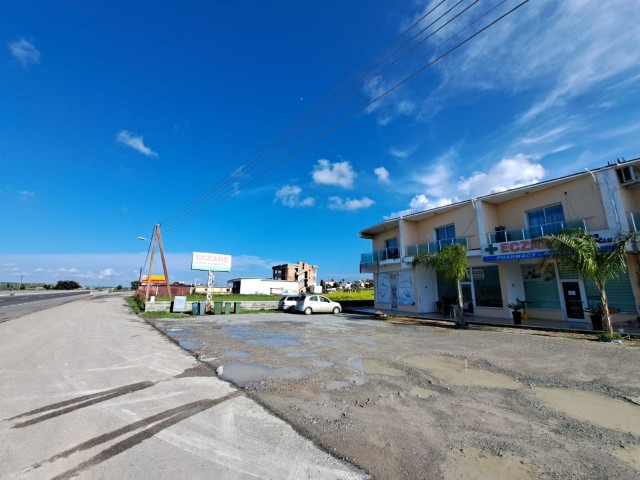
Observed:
{"x":408,"y":400}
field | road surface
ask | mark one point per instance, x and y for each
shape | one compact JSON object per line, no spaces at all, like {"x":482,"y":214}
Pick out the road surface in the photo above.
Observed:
{"x":19,"y":304}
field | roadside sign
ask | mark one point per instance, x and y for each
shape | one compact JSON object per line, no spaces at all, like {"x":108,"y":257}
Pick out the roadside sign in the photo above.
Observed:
{"x":212,"y":262}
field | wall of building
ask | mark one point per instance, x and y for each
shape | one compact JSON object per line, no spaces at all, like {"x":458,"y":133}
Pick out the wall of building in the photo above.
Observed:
{"x":464,"y":219}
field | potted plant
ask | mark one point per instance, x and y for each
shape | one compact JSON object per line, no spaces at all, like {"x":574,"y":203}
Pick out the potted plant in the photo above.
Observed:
{"x":524,"y":303}
{"x":595,"y":314}
{"x":515,"y":312}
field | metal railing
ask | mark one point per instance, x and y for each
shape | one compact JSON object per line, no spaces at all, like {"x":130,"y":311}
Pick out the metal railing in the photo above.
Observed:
{"x":379,"y":255}
{"x":528,"y":233}
{"x":433,"y":247}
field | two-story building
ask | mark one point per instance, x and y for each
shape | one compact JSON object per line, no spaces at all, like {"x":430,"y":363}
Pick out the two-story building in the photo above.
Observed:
{"x":504,"y":264}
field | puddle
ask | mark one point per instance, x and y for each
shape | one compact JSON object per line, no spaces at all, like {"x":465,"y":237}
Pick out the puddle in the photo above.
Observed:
{"x":323,"y":364}
{"x":237,"y":354}
{"x":246,"y":374}
{"x":262,"y":338}
{"x":349,"y":382}
{"x":482,"y":465}
{"x":458,"y":371}
{"x":160,"y":324}
{"x":629,"y":454}
{"x":207,"y":358}
{"x":179,"y":334}
{"x":592,"y":408}
{"x":301,"y":355}
{"x":188,"y":344}
{"x":374,"y":367}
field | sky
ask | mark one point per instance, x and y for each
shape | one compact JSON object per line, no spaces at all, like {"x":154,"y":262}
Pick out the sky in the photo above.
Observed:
{"x":275,"y":131}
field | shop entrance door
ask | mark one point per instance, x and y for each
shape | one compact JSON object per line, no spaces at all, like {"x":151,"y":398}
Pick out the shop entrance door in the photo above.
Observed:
{"x":467,"y":297}
{"x":573,"y":300}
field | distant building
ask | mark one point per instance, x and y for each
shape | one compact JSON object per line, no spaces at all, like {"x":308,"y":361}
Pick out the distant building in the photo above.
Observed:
{"x":262,"y":286}
{"x":303,"y":273}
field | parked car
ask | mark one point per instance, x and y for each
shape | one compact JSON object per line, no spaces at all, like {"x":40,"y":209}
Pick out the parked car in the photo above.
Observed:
{"x":288,"y":302}
{"x":317,"y":304}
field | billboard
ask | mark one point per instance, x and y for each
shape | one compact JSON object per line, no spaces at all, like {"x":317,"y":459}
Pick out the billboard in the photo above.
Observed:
{"x":155,"y":280}
{"x":213,"y":262}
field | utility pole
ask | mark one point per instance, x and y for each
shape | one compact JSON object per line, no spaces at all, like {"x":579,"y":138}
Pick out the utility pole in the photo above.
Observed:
{"x":157,"y":239}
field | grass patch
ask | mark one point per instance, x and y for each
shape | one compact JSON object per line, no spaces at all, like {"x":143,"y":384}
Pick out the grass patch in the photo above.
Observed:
{"x":361,"y":295}
{"x":134,"y":304}
{"x":609,"y":337}
{"x":226,"y":298}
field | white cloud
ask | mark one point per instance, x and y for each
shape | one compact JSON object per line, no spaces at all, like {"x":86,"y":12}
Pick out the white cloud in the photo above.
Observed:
{"x":419,"y":203}
{"x":382,"y":174}
{"x":289,"y":196}
{"x":437,"y":179}
{"x":134,"y":141}
{"x":337,"y":203}
{"x":108,"y":273}
{"x":26,"y":195}
{"x":24,"y":52}
{"x":506,"y":174}
{"x":339,"y":173}
{"x":401,"y":154}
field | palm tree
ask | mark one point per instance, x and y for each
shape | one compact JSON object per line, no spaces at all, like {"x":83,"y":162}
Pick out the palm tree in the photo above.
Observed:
{"x":450,"y":263}
{"x":581,"y":251}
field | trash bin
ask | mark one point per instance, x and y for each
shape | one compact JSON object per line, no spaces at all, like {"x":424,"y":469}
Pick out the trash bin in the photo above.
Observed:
{"x":203,"y":305}
{"x":194,"y":308}
{"x":217,"y":308}
{"x":236,"y":307}
{"x":227,"y":308}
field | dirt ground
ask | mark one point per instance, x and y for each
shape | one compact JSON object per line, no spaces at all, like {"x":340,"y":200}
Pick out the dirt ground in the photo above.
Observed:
{"x":406,"y":400}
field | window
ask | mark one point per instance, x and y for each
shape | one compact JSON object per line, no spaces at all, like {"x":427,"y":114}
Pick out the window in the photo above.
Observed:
{"x":486,"y":283}
{"x":391,"y":248}
{"x":545,"y":221}
{"x":540,"y":286}
{"x":446,"y":235}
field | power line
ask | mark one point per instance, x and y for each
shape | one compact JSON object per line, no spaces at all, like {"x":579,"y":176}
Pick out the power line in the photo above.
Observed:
{"x":343,"y":120}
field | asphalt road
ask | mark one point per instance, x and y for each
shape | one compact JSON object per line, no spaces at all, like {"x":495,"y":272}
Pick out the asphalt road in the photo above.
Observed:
{"x":20,"y":304}
{"x":90,"y":390}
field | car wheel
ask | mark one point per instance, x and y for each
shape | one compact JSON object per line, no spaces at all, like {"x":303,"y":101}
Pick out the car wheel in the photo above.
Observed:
{"x":307,"y":311}
{"x":336,"y":310}
{"x":291,"y":309}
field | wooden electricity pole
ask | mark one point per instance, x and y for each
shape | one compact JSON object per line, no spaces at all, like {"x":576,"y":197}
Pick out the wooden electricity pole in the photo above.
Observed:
{"x":157,"y":238}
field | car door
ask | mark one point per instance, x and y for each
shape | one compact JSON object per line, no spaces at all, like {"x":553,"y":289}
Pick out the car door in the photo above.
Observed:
{"x":324,"y":304}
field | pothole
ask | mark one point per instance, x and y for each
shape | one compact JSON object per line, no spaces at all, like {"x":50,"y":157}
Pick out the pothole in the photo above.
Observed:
{"x":246,"y":374}
{"x":374,"y":367}
{"x":482,"y":465}
{"x":592,"y":408}
{"x":459,"y":371}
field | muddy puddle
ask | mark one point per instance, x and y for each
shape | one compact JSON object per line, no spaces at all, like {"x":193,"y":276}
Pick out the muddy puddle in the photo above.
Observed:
{"x":592,"y":408}
{"x":459,"y":371}
{"x":473,"y":463}
{"x":349,"y":382}
{"x":374,"y":367}
{"x":323,"y":363}
{"x":237,"y":354}
{"x":629,"y":454}
{"x":247,"y":374}
{"x":189,"y":344}
{"x":261,"y":338}
{"x":300,"y":355}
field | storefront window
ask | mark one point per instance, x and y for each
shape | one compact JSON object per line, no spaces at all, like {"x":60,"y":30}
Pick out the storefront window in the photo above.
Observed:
{"x":540,"y":286}
{"x":486,"y":282}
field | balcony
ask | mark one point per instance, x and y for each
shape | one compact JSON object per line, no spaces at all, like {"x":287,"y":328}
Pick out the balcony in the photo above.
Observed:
{"x":528,"y":233}
{"x":434,"y":247}
{"x":380,"y":255}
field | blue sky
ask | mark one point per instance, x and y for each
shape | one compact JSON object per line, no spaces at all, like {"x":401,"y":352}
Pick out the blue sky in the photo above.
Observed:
{"x":116,"y":115}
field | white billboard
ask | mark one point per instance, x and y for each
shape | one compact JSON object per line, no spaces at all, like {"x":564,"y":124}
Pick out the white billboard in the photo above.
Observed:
{"x":213,"y":262}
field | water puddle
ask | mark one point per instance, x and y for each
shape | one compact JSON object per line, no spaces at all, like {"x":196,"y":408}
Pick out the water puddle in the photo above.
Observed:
{"x":629,"y":454}
{"x":323,"y":363}
{"x":237,"y":354}
{"x":349,"y":382}
{"x":179,"y":334}
{"x":188,"y":344}
{"x":207,"y":358}
{"x":459,"y":371}
{"x":374,"y":367}
{"x":592,"y":408}
{"x":246,"y":374}
{"x":262,"y":338}
{"x":482,"y":465}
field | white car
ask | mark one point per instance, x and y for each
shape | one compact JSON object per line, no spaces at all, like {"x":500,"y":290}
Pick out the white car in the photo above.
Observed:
{"x":317,"y":304}
{"x":288,"y":302}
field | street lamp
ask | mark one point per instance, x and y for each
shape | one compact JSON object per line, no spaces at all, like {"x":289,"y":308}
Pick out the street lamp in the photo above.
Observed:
{"x":144,"y":239}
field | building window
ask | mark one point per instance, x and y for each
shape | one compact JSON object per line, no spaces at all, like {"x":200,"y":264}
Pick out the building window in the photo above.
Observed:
{"x":446,"y":235}
{"x":486,"y":283}
{"x":391,"y":248}
{"x":545,"y":221}
{"x":540,"y":286}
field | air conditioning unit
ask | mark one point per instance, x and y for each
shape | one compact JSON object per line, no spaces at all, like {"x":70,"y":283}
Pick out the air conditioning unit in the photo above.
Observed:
{"x":628,"y":175}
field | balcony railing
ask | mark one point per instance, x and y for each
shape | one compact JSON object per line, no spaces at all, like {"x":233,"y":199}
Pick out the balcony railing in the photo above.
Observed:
{"x":634,"y":221}
{"x":528,"y":233}
{"x":377,"y":256}
{"x":433,"y":247}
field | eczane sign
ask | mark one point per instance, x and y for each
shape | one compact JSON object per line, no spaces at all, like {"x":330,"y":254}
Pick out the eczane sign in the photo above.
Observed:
{"x":212,"y":262}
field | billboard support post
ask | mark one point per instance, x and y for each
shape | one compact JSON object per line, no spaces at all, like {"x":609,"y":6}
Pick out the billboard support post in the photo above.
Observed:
{"x":211,"y":263}
{"x":157,"y":238}
{"x":210,"y":284}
